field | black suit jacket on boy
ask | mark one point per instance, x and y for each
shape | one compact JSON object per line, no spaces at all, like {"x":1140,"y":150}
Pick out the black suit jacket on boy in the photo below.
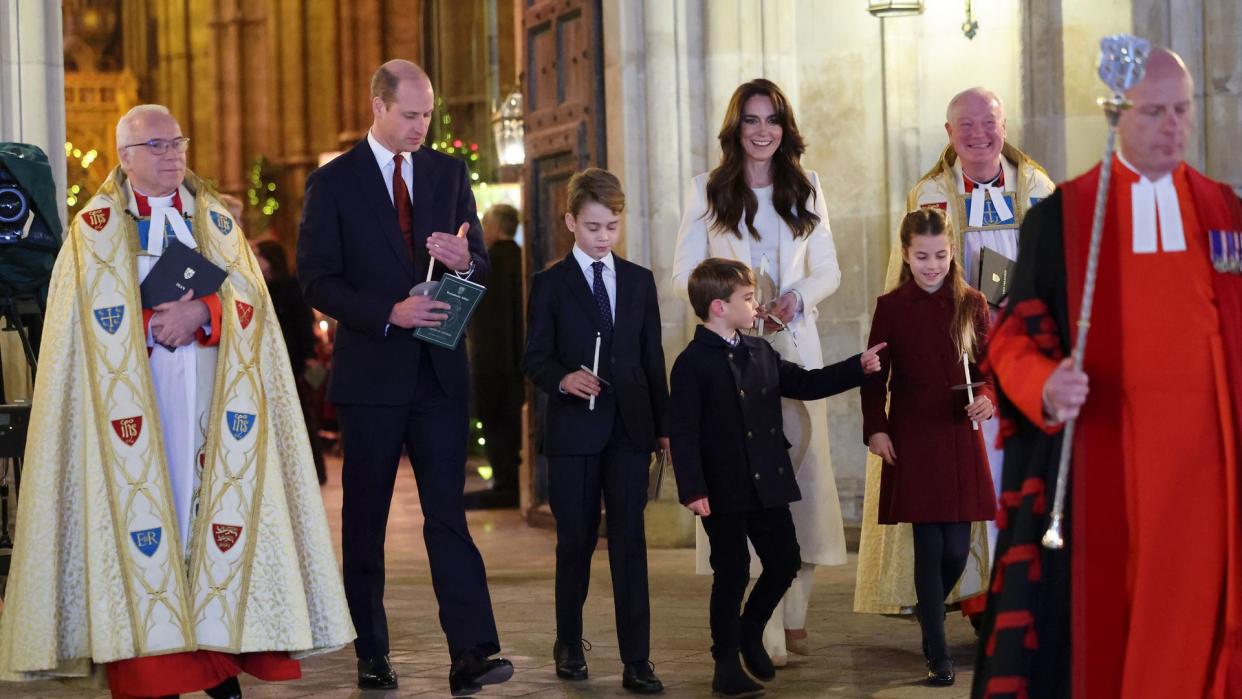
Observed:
{"x":725,"y":423}
{"x":354,"y":264}
{"x":562,"y":320}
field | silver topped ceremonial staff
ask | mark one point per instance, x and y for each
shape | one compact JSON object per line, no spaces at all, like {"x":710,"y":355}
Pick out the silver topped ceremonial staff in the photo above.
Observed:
{"x":1121,"y":67}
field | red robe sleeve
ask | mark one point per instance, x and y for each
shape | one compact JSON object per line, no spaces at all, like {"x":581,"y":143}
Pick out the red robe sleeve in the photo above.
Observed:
{"x":1018,"y":363}
{"x":213,"y":306}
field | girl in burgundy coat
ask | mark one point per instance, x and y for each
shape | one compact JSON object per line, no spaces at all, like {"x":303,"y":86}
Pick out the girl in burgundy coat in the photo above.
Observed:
{"x":935,"y":472}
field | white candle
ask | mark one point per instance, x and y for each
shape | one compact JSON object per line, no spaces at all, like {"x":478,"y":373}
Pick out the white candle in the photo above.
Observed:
{"x":970,"y":391}
{"x":595,"y":368}
{"x":431,"y":263}
{"x":763,"y":273}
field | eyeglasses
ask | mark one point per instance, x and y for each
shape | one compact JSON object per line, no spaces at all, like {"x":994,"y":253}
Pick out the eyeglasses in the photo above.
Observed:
{"x":159,"y":146}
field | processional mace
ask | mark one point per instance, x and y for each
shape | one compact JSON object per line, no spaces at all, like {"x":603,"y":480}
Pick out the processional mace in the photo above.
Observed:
{"x":1122,"y":58}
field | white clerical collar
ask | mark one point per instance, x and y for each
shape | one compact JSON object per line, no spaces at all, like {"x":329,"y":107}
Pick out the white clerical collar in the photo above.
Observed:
{"x":383,"y":156}
{"x":1152,"y":202}
{"x":982,"y":191}
{"x":585,"y":261}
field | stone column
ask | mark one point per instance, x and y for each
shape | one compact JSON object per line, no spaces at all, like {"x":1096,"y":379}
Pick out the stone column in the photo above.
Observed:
{"x":1180,"y":29}
{"x":32,"y":82}
{"x":654,"y":106}
{"x":1043,"y":126}
{"x":1222,"y":84}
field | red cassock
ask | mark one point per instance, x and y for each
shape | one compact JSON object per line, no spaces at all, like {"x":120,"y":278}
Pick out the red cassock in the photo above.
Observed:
{"x":942,"y":473}
{"x":1155,"y":531}
{"x":182,"y":673}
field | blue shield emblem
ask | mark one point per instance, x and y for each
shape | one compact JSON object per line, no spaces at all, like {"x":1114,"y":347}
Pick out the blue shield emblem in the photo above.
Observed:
{"x":224,"y":223}
{"x":239,"y":423}
{"x":109,"y":318}
{"x":147,"y":540}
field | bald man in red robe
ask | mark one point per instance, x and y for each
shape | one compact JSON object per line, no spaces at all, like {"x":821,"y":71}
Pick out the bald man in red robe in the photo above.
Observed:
{"x":1146,"y":598}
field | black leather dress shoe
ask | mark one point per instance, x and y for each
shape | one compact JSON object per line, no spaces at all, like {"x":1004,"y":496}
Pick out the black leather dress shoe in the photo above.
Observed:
{"x":228,"y":689}
{"x":940,"y":672}
{"x":640,"y":678}
{"x":376,"y":673}
{"x":570,"y":660}
{"x":471,"y":671}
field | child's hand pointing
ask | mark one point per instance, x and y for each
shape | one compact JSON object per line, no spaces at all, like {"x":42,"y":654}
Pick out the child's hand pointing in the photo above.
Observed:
{"x":871,"y":358}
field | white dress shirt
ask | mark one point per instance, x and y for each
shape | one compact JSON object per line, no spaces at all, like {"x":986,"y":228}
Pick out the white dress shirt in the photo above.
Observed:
{"x":383,"y":158}
{"x":610,"y":276}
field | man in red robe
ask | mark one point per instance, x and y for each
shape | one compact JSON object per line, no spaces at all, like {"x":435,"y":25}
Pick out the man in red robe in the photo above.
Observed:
{"x":1146,"y":598}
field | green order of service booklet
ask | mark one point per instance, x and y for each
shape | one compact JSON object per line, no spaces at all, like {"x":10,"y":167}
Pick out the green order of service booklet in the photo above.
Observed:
{"x":463,"y":296}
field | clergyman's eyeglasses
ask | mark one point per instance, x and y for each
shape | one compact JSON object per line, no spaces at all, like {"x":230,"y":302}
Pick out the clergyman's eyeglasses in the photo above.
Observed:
{"x":159,"y":146}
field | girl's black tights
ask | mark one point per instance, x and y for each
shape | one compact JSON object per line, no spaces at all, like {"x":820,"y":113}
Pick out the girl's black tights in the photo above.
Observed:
{"x":940,"y":553}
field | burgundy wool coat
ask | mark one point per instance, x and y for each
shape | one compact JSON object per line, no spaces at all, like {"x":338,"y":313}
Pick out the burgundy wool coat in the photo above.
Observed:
{"x":942,"y":473}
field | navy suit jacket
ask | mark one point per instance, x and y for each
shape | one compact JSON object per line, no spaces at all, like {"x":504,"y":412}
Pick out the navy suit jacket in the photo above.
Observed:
{"x":353,"y":265}
{"x":562,"y":320}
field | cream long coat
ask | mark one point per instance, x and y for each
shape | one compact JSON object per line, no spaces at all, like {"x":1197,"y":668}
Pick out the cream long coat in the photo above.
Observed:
{"x":809,"y":266}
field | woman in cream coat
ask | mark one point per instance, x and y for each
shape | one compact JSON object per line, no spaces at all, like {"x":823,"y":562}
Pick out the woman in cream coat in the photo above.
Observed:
{"x":734,"y":212}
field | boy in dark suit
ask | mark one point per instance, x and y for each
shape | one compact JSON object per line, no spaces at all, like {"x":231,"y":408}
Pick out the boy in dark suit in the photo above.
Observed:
{"x":594,"y":309}
{"x":732,"y":461}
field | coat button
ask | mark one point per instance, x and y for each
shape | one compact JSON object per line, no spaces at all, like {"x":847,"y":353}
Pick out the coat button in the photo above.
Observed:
{"x":772,"y":430}
{"x":763,"y":391}
{"x":756,"y":476}
{"x":741,"y":393}
{"x":750,"y":435}
{"x":780,"y":469}
{"x":730,"y":355}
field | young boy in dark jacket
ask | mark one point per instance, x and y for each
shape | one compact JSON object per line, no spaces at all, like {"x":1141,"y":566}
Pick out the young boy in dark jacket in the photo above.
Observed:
{"x":593,"y":345}
{"x":732,"y":461}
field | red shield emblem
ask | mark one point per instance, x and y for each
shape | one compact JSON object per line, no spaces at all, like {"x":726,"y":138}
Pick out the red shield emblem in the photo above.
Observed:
{"x":225,"y":535}
{"x":942,"y":205}
{"x":128,"y":429}
{"x":97,"y":218}
{"x":245,"y":312}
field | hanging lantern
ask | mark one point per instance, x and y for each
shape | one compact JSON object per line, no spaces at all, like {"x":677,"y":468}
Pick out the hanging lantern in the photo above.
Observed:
{"x":895,"y":8}
{"x":508,"y":126}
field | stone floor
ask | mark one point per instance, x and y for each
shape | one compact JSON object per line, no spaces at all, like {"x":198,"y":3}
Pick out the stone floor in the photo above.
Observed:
{"x":853,"y":655}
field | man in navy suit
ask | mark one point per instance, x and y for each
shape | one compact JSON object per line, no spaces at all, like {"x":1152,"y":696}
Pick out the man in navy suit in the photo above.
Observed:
{"x":372,"y":222}
{"x":601,"y":425}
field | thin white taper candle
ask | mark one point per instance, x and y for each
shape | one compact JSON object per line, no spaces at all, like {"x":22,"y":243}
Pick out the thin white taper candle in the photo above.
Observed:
{"x":970,"y":391}
{"x":595,"y":368}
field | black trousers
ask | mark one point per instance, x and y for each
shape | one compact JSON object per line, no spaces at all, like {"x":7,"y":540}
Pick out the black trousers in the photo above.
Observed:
{"x":940,"y":553}
{"x":771,"y":530}
{"x":498,"y":403}
{"x":575,"y":484}
{"x":433,"y":429}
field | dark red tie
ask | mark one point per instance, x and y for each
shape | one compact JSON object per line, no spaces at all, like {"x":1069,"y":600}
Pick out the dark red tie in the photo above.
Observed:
{"x":405,"y":209}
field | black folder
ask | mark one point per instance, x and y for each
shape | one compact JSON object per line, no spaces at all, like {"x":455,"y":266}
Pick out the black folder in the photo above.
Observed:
{"x":995,"y":271}
{"x":178,"y":270}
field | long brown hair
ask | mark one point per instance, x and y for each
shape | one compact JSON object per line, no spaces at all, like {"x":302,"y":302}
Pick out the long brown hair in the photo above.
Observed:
{"x":729,"y":199}
{"x":932,"y":221}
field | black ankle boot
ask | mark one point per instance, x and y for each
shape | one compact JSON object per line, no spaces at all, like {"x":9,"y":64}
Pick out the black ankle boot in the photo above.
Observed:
{"x":730,"y":680}
{"x":228,"y":689}
{"x":940,"y":672}
{"x":756,"y":657}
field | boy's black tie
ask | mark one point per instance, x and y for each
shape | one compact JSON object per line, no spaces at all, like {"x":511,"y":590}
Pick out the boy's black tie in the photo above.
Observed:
{"x":601,"y":295}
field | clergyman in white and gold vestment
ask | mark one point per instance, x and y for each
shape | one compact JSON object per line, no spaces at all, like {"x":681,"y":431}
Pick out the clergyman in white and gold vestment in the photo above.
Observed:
{"x":985,"y":186}
{"x":169,"y":527}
